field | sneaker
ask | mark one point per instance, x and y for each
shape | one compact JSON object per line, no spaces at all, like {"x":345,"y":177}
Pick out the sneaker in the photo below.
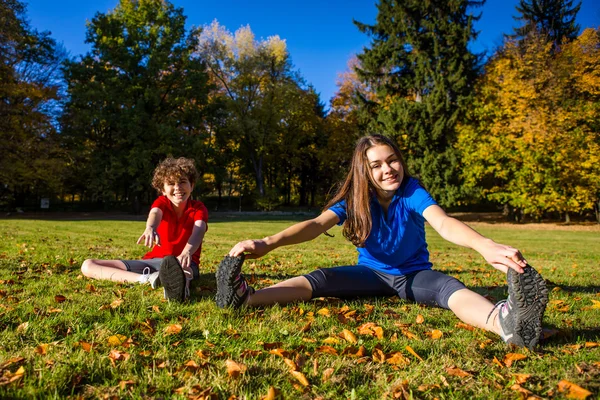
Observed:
{"x":154,"y":279}
{"x":175,"y":284}
{"x":520,"y":316}
{"x":232,"y":288}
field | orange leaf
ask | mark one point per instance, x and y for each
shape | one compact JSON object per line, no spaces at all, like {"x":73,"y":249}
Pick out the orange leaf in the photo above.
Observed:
{"x":512,"y":357}
{"x":465,"y":326}
{"x":173,"y":329}
{"x":331,"y":340}
{"x":414,"y":353}
{"x":116,"y":303}
{"x":435,"y":334}
{"x":324,"y":311}
{"x":457,"y":372}
{"x":521,"y":378}
{"x":305,"y":328}
{"x":291,"y":364}
{"x":349,"y":336}
{"x":300,"y":377}
{"x":87,"y":347}
{"x":156,"y":309}
{"x":409,"y":334}
{"x":497,"y":362}
{"x":398,"y":359}
{"x":378,"y":355}
{"x":420,"y":319}
{"x":235,"y":369}
{"x":42,"y":349}
{"x":279,"y":352}
{"x":327,"y":349}
{"x":59,"y":298}
{"x":573,"y":391}
{"x":272,"y":394}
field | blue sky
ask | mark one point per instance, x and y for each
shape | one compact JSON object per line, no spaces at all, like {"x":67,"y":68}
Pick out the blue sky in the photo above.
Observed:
{"x":320,"y":34}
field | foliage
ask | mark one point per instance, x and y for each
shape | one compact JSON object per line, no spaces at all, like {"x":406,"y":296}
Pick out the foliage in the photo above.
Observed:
{"x":533,"y":141}
{"x":553,"y":19}
{"x":422,"y":72}
{"x":64,"y":336}
{"x":139,"y":95}
{"x":269,"y":113}
{"x":30,"y":162}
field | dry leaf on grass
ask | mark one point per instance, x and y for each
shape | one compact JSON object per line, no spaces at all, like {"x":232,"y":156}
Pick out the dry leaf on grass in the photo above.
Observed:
{"x":59,"y":298}
{"x":116,"y":340}
{"x":235,"y":369}
{"x":42,"y":349}
{"x":291,"y":364}
{"x":300,"y":377}
{"x":173,"y":329}
{"x":435,"y":334}
{"x":420,"y":319}
{"x":272,"y":394}
{"x":327,"y":349}
{"x":349,"y":336}
{"x":572,"y":390}
{"x":327,"y":374}
{"x":414,"y":353}
{"x":510,"y":358}
{"x":457,"y":372}
{"x":521,"y":378}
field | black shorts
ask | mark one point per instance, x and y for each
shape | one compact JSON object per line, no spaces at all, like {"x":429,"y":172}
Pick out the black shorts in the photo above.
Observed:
{"x":425,"y":286}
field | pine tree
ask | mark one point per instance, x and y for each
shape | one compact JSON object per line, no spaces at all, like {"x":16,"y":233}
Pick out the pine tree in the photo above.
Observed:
{"x":554,"y":19}
{"x":422,"y":73}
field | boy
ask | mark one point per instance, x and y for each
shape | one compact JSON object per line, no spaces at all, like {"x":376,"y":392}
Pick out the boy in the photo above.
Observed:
{"x":176,"y":224}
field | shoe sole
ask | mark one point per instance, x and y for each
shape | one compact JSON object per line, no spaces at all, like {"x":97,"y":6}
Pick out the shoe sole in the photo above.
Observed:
{"x":172,"y":278}
{"x":530,"y":298}
{"x":228,"y":270}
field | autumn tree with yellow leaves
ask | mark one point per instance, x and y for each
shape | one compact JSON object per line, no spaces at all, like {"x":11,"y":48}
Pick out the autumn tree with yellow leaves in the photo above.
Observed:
{"x":532,"y":142}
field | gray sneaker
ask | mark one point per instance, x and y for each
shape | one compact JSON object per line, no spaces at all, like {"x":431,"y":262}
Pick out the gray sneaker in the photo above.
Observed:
{"x":154,"y":280}
{"x":232,"y":288}
{"x":520,"y":315}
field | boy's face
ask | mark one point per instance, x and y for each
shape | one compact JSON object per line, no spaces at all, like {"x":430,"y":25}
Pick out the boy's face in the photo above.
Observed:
{"x":177,"y":190}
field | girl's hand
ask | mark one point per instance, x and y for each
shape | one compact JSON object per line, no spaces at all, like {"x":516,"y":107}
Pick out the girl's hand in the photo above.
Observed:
{"x":149,"y":237}
{"x":503,"y":257}
{"x":252,"y":248}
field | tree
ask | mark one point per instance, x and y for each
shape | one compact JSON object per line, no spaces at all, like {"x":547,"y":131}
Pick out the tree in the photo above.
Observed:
{"x":554,"y":19}
{"x":139,"y":95}
{"x":32,"y":160}
{"x":256,"y":80}
{"x":422,"y":73}
{"x":532,"y":143}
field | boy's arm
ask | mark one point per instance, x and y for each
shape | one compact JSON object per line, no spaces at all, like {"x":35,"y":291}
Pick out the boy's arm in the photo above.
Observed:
{"x":195,"y":240}
{"x":298,"y":233}
{"x":150,"y":235}
{"x":498,"y":255}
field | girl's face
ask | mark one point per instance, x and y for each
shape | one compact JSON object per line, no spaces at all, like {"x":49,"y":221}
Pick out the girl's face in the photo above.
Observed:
{"x":178,"y":191}
{"x":386,"y":170}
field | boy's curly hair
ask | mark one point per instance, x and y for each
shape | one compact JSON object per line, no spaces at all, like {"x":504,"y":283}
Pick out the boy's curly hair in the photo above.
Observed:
{"x":173,"y":169}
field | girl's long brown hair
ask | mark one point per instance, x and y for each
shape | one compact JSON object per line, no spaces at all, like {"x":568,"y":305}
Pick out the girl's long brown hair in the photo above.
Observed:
{"x":358,"y":189}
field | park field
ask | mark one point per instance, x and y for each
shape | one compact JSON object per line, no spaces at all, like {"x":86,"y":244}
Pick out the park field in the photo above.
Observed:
{"x":65,"y":336}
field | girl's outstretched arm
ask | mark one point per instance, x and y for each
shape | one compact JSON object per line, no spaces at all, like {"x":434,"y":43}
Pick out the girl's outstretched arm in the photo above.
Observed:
{"x":498,"y":255}
{"x":298,"y":233}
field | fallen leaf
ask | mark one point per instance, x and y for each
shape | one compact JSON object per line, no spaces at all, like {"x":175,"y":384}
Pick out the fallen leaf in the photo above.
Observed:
{"x":378,"y":355}
{"x":291,"y":364}
{"x":331,"y":340}
{"x":457,"y":372}
{"x":349,"y":336}
{"x":462,"y":325}
{"x":300,"y":377}
{"x":54,"y":310}
{"x":156,"y":309}
{"x":124,"y":384}
{"x":173,"y":329}
{"x":235,"y":369}
{"x":435,"y":334}
{"x":281,"y":352}
{"x":327,"y":349}
{"x":397,"y":359}
{"x":117,"y":340}
{"x":425,"y":388}
{"x":572,"y":390}
{"x":414,"y":353}
{"x":59,"y":298}
{"x":22,"y":328}
{"x":272,"y":394}
{"x":305,"y":328}
{"x":116,"y":303}
{"x":42,"y":349}
{"x":420,"y":319}
{"x":409,"y":334}
{"x":324,"y":311}
{"x":521,"y":378}
{"x":512,"y":357}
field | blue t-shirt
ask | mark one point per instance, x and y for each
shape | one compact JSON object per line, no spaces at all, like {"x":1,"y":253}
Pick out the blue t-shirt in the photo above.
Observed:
{"x":396,"y":244}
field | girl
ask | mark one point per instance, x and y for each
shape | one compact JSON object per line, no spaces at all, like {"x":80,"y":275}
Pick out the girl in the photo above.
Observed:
{"x":383,"y":211}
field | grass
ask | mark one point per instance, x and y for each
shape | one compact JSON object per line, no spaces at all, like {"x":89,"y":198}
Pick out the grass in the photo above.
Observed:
{"x":62,"y":335}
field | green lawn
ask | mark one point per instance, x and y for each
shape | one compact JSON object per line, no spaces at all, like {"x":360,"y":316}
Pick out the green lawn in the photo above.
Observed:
{"x":62,"y":335}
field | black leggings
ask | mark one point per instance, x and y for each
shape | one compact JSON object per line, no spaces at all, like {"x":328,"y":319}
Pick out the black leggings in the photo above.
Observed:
{"x":425,"y":286}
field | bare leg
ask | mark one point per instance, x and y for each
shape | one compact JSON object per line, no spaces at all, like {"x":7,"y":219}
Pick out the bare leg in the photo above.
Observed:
{"x":114,"y":270}
{"x":294,"y":289}
{"x":473,"y":309}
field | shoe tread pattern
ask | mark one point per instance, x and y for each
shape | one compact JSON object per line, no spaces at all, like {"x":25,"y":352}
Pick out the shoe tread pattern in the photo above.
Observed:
{"x":228,"y":270}
{"x":172,"y":278}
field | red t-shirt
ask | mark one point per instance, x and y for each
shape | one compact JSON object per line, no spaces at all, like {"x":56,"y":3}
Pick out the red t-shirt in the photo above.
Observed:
{"x":173,"y":232}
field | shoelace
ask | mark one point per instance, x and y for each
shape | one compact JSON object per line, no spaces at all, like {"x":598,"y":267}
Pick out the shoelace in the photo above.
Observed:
{"x":146,"y":274}
{"x":497,"y":305}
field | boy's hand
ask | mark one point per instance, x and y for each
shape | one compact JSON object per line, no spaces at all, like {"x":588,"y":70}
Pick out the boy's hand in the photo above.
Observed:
{"x":185,"y":260}
{"x":252,"y":248}
{"x":149,"y":237}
